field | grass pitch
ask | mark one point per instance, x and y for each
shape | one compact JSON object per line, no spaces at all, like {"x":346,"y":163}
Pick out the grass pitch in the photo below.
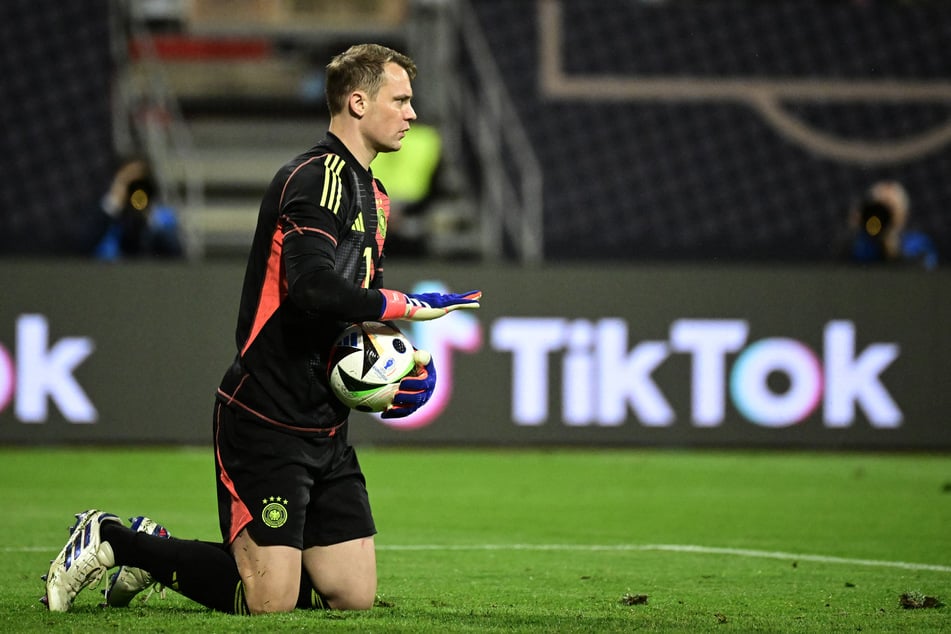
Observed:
{"x":543,"y":541}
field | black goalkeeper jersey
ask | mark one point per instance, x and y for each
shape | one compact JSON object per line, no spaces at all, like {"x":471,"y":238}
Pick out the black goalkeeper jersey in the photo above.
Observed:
{"x":315,"y":258}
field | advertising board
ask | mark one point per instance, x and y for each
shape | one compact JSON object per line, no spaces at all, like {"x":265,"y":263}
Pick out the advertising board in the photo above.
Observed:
{"x":626,"y":355}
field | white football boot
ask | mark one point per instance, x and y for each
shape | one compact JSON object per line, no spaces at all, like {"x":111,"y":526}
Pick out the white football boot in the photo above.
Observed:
{"x":81,"y":563}
{"x":129,"y":581}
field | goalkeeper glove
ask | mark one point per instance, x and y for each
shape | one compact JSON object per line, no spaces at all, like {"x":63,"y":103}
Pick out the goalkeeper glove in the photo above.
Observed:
{"x":416,"y":389}
{"x":425,"y":306}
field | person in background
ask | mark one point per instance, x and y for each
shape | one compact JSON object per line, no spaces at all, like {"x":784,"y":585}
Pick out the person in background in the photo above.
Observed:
{"x":415,"y":172}
{"x":135,"y":224}
{"x":880,"y":232}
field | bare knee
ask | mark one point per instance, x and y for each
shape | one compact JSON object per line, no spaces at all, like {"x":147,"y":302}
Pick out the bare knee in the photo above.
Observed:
{"x":264,"y":604}
{"x":265,"y":595}
{"x":354,"y":597}
{"x":344,"y":573}
{"x":270,"y":575}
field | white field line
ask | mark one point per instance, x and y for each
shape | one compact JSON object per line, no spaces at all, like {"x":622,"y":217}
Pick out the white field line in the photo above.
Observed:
{"x":674,"y":548}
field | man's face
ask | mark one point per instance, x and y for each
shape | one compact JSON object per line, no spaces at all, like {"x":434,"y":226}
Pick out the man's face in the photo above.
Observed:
{"x":389,"y":114}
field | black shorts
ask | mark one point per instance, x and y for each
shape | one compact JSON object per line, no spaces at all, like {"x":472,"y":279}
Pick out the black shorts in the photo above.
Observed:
{"x":285,"y":489}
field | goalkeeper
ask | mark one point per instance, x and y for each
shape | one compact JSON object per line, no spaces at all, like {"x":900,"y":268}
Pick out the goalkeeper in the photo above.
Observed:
{"x":292,"y":501}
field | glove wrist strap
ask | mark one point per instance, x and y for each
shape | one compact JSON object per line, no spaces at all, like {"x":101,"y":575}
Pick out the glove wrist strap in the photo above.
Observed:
{"x":394,"y":305}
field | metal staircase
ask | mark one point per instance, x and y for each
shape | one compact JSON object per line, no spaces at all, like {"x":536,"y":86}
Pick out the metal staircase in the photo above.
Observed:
{"x":218,"y":124}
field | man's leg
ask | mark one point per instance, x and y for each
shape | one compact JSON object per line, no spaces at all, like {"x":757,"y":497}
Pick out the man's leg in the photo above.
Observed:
{"x":204,"y":572}
{"x":344,"y":574}
{"x":270,"y":574}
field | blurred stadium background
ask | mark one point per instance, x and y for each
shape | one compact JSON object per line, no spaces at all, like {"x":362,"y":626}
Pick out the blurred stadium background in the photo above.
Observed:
{"x":684,"y":167}
{"x":569,"y":129}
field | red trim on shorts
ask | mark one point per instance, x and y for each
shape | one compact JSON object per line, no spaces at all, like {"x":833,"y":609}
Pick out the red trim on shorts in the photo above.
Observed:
{"x":240,"y":515}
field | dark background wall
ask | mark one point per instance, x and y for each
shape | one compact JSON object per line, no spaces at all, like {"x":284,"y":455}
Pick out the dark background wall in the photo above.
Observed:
{"x":56,"y":145}
{"x":731,"y":129}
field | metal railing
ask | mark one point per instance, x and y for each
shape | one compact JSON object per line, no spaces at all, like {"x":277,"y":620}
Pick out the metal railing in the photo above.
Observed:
{"x":511,"y":182}
{"x":147,"y":118}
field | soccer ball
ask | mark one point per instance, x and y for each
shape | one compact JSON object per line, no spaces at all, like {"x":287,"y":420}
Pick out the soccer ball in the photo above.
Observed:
{"x":367,"y":363}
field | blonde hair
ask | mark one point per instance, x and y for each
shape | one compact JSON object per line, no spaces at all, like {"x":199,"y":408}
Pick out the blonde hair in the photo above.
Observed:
{"x":361,"y":67}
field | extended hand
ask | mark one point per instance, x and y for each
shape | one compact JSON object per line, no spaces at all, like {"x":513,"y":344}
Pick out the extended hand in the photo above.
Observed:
{"x":425,"y":306}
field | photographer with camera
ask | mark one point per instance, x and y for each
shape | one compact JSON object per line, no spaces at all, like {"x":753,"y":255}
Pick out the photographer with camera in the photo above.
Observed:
{"x":136,"y":225}
{"x":880,"y":233}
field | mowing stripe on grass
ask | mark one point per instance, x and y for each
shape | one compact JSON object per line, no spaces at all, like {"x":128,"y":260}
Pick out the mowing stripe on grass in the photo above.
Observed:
{"x":674,"y":548}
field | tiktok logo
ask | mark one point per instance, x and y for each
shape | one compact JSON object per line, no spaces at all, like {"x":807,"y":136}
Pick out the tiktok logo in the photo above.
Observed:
{"x":603,"y":376}
{"x":41,"y":372}
{"x":458,"y":331}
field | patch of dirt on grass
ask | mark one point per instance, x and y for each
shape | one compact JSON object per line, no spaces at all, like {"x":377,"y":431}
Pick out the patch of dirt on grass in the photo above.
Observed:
{"x":633,"y":599}
{"x":914,"y":600}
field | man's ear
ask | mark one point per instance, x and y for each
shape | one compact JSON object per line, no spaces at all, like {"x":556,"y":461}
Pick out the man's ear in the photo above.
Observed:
{"x":358,"y":104}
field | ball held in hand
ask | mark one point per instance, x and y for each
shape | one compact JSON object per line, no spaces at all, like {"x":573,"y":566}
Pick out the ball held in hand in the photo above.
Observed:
{"x":367,"y":363}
